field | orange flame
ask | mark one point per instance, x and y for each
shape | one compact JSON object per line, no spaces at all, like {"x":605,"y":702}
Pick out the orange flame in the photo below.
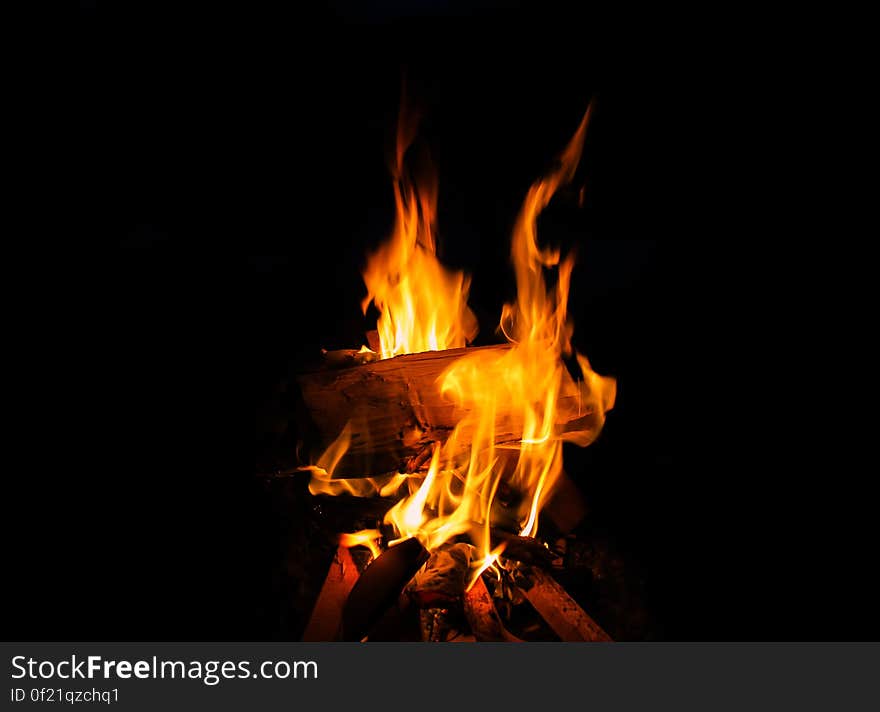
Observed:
{"x":422,"y":304}
{"x":491,"y":388}
{"x":365,"y":537}
{"x":322,"y":481}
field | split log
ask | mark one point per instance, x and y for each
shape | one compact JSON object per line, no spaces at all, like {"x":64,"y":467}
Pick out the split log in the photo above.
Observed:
{"x":326,"y":620}
{"x":396,"y":410}
{"x":481,"y":615}
{"x":561,"y":612}
{"x":381,"y":584}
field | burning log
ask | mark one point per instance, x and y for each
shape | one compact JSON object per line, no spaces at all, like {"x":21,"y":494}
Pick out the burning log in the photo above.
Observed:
{"x":379,"y":587}
{"x":561,"y":612}
{"x":482,"y":616}
{"x":396,"y":410}
{"x":352,"y":606}
{"x":523,"y":548}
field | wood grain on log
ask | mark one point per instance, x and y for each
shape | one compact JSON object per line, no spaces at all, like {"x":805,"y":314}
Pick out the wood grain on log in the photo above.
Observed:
{"x":396,"y":409}
{"x":481,"y":614}
{"x":562,"y":613}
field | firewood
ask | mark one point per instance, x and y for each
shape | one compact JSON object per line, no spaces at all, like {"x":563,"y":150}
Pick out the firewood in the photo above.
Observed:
{"x":325,"y":622}
{"x":396,"y":409}
{"x":482,"y":616}
{"x":344,"y":358}
{"x":561,"y":612}
{"x":522,"y":548}
{"x":379,"y":587}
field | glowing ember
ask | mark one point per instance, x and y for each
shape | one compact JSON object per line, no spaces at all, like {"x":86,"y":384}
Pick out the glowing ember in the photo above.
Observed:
{"x":423,"y":307}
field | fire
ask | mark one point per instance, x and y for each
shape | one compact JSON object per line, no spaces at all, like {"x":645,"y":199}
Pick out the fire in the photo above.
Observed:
{"x":422,"y":304}
{"x":424,"y":307}
{"x":322,"y":481}
{"x":365,"y":537}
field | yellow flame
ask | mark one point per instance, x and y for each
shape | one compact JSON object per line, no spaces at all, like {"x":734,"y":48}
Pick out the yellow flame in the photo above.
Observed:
{"x":487,"y":562}
{"x":422,"y":304}
{"x":322,"y":481}
{"x":408,"y":514}
{"x":519,"y":390}
{"x":365,"y":537}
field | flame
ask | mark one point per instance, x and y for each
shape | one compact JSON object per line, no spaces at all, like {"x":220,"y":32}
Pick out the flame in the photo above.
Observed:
{"x":422,"y":304}
{"x":365,"y":537}
{"x":423,"y":307}
{"x":322,"y":481}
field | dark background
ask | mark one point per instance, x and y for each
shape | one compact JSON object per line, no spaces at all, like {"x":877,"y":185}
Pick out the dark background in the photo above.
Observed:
{"x":242,"y":180}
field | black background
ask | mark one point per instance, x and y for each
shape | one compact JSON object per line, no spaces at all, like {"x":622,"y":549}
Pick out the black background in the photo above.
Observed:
{"x":242,"y":178}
